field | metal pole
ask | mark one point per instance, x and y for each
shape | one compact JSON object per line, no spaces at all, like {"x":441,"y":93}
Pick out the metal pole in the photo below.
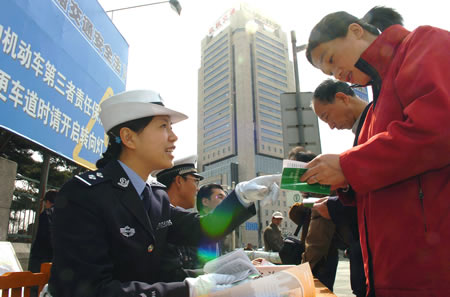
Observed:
{"x":297,"y":84}
{"x":42,"y":189}
{"x":112,"y":10}
{"x":294,"y":55}
{"x":260,"y":225}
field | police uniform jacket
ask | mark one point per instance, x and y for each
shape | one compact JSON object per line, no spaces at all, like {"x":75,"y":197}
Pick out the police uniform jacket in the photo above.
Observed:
{"x":105,"y":244}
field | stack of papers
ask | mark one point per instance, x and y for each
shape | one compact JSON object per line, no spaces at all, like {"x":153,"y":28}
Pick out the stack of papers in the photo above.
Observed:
{"x":235,"y":263}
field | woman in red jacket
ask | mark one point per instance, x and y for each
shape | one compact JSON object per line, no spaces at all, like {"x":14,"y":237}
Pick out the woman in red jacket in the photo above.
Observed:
{"x":399,"y":175}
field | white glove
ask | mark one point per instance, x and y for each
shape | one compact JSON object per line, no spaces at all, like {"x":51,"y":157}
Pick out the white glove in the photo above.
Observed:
{"x":208,"y":283}
{"x":265,"y":188}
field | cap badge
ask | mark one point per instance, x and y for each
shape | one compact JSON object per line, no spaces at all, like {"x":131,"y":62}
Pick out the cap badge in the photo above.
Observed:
{"x":150,"y":248}
{"x":123,"y":182}
{"x":127,"y":231}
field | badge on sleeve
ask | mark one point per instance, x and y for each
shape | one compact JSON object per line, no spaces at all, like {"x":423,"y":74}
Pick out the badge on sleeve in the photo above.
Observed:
{"x":127,"y":231}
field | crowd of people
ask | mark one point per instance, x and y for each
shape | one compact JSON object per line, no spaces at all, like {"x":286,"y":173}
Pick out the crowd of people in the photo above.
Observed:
{"x":115,"y":234}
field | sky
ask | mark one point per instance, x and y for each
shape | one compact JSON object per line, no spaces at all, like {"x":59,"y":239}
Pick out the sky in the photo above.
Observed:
{"x":164,"y":48}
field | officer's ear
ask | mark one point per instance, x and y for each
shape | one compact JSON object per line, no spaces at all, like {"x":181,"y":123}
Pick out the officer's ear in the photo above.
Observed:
{"x":178,"y":180}
{"x":127,"y":137}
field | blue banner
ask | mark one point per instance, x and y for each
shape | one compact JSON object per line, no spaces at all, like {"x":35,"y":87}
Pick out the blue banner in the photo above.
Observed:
{"x":58,"y":60}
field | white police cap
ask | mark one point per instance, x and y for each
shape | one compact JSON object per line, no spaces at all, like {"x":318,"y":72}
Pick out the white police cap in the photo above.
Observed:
{"x":132,"y":105}
{"x":180,"y":167}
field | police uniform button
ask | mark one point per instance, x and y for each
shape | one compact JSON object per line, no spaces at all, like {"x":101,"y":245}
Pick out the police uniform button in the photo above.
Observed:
{"x":150,"y":248}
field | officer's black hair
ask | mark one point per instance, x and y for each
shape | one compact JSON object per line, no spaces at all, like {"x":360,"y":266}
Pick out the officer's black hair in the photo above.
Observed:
{"x":115,"y":145}
{"x":50,"y":196}
{"x":205,"y":192}
{"x":325,"y":93}
{"x":335,"y":25}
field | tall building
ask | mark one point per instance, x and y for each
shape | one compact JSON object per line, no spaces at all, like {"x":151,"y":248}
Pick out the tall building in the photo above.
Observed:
{"x":244,"y":68}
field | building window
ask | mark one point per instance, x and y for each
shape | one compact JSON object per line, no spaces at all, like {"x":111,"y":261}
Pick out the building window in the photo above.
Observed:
{"x":270,"y":132}
{"x":267,"y":139}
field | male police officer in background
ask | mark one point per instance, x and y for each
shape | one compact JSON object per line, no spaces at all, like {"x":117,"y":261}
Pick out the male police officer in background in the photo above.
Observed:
{"x":182,"y":182}
{"x":111,"y":227}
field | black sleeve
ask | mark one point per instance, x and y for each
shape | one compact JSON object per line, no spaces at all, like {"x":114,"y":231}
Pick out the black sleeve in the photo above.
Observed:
{"x":82,"y":264}
{"x":335,"y":209}
{"x":191,"y":228}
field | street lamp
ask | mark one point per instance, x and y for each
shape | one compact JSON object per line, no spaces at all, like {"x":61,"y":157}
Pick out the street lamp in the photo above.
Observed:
{"x":173,"y":3}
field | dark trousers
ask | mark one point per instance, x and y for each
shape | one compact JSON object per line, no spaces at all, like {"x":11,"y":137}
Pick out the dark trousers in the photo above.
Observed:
{"x":325,"y":270}
{"x":34,"y":265}
{"x":357,"y":276}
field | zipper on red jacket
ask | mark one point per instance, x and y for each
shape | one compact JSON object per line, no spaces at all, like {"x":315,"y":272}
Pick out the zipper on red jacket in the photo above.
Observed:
{"x":421,"y":196}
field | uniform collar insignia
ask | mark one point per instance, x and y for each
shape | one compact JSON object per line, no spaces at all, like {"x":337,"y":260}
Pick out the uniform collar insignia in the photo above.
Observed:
{"x":123,"y":182}
{"x":164,"y":224}
{"x":127,"y":231}
{"x":91,"y":176}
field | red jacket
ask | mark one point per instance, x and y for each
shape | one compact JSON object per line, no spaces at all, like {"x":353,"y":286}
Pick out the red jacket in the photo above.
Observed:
{"x":400,"y":170}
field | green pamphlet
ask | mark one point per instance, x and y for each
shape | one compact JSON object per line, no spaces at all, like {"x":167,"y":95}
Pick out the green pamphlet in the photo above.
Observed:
{"x":290,"y":180}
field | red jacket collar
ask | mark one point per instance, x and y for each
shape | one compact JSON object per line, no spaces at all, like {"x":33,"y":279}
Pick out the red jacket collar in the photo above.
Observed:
{"x":382,"y":51}
{"x":377,"y":58}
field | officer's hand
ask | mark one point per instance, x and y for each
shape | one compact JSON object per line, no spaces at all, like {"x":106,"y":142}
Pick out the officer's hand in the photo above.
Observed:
{"x":321,"y":207}
{"x":208,"y":283}
{"x":265,"y":188}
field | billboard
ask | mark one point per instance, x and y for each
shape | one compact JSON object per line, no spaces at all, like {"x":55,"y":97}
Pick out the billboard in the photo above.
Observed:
{"x":58,"y":60}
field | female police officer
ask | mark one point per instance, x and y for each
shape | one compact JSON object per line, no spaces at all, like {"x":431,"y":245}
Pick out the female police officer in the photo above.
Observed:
{"x":110,"y":226}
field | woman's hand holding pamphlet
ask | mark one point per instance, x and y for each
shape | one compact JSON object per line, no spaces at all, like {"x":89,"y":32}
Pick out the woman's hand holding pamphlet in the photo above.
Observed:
{"x":290,"y":179}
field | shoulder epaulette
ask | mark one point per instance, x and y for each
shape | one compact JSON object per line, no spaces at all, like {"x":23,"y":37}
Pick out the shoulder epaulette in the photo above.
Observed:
{"x":91,"y":178}
{"x":157,"y":184}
